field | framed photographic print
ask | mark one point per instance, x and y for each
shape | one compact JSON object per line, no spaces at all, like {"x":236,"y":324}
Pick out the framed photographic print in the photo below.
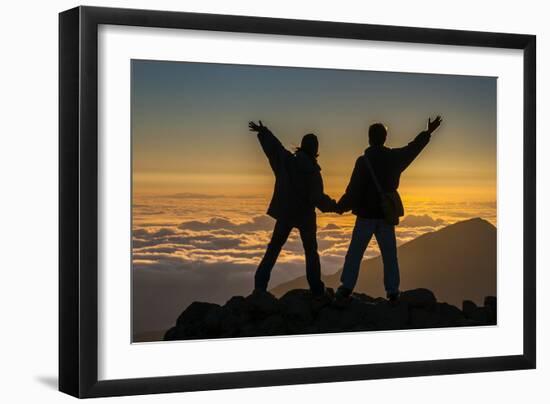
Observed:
{"x":251,"y":201}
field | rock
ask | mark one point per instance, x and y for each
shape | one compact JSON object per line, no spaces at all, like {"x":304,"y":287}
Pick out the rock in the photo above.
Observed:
{"x":333,"y":320}
{"x":360,"y":309}
{"x":212,"y":320}
{"x":468,"y":307}
{"x":237,"y":304}
{"x":170,"y":335}
{"x":491,"y":302}
{"x":323,"y":301}
{"x":389,"y":316}
{"x":262,"y":304}
{"x":483,"y":315}
{"x":449,"y":315}
{"x":232,"y":321}
{"x":298,"y":312}
{"x":273,"y":325}
{"x":249,"y":330}
{"x":421,"y":318}
{"x":195,"y":313}
{"x":363,"y":297}
{"x":420,"y":298}
{"x":296,"y":305}
{"x":466,"y":322}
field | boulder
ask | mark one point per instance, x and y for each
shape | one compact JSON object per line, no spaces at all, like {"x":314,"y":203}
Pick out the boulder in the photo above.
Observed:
{"x":273,"y":325}
{"x":171,"y":334}
{"x":388,"y":316}
{"x":421,"y":318}
{"x":296,"y":305}
{"x":212,"y":320}
{"x":262,"y":304}
{"x":298,"y":312}
{"x":483,"y":315}
{"x":419,"y":298}
{"x":468,"y":307}
{"x":491,"y":303}
{"x":364,"y":297}
{"x":362,"y":310}
{"x":236,"y":304}
{"x":449,"y":315}
{"x":331,"y":319}
{"x":195,"y":313}
{"x":232,"y":321}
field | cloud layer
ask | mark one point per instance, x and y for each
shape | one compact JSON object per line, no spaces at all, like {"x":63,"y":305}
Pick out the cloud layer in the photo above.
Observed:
{"x":188,"y":248}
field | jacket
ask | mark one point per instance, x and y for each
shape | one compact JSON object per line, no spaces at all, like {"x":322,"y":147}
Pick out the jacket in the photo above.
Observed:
{"x":361,"y":195}
{"x":298,"y":186}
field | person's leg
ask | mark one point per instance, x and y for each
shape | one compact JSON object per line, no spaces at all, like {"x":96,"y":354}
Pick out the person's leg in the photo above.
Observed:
{"x":308,"y":234}
{"x":278,"y":239}
{"x":385,"y":235}
{"x":362,"y":233}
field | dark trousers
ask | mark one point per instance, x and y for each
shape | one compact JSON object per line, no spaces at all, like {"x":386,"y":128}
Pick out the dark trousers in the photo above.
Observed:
{"x":362,"y":234}
{"x":308,"y":234}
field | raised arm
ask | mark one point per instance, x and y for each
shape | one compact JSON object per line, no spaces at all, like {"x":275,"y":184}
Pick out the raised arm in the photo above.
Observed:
{"x":321,"y":200}
{"x":271,"y":146}
{"x":407,"y":154}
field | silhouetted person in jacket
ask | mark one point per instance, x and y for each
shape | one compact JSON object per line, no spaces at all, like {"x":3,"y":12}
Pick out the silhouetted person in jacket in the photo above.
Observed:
{"x":363,"y":198}
{"x":298,"y":191}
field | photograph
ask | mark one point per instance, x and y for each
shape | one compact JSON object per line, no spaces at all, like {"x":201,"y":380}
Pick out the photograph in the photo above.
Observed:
{"x":276,"y":200}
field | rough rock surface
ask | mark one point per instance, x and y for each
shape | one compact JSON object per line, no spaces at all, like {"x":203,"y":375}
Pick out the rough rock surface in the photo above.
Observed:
{"x":297,"y":312}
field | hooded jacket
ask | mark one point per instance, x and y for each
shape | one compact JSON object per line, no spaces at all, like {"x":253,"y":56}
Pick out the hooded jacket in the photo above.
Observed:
{"x":362,"y":196}
{"x":298,"y":186}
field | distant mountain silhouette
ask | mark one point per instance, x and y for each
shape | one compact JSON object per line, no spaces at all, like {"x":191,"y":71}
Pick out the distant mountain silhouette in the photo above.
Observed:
{"x":457,"y":263}
{"x":297,"y":312}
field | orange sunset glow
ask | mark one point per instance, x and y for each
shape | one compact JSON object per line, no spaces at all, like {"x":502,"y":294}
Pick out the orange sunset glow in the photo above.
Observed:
{"x":201,"y":183}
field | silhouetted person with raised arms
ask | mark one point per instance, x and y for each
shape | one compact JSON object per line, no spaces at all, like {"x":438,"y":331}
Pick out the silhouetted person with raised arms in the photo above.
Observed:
{"x":298,"y":191}
{"x":377,"y":172}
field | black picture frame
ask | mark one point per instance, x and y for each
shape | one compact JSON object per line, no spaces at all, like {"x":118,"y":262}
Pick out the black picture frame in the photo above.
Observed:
{"x":78,"y":201}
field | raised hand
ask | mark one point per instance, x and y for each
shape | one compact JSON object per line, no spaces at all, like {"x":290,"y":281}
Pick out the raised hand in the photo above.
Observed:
{"x":433,"y":125}
{"x":255,"y":127}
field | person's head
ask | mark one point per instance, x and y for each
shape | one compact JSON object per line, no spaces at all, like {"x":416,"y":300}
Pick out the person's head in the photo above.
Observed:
{"x":377,"y":134}
{"x":309,"y":145}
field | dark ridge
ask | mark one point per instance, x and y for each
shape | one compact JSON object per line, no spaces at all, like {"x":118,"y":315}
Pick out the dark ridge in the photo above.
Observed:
{"x":297,"y":312}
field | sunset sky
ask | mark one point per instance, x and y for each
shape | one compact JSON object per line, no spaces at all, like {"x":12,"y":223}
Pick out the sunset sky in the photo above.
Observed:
{"x":189,"y":125}
{"x":201,"y":183}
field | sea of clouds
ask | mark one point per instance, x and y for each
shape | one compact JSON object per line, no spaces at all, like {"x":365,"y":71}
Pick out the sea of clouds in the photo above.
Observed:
{"x":189,"y":247}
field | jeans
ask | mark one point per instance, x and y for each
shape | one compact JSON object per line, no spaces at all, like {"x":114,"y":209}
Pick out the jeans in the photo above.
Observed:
{"x":308,"y":234}
{"x":362,"y":233}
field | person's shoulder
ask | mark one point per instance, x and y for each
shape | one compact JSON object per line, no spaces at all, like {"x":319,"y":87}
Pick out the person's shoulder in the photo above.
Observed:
{"x":305,"y":163}
{"x":391,"y":151}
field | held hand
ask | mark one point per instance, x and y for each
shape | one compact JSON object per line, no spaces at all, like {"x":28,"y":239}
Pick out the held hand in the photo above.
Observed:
{"x":433,"y":125}
{"x":253,"y":127}
{"x":338,"y":208}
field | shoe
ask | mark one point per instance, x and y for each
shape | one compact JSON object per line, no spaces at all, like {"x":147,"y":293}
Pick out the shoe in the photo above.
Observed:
{"x":259,"y":292}
{"x":393,"y":298}
{"x":342,"y":297}
{"x":323,"y":299}
{"x":342,"y":291}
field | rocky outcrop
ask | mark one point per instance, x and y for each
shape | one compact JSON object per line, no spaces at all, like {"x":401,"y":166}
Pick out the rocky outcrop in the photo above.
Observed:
{"x":297,"y":312}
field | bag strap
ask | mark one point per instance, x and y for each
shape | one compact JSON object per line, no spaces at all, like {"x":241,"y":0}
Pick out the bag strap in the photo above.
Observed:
{"x":373,"y":175}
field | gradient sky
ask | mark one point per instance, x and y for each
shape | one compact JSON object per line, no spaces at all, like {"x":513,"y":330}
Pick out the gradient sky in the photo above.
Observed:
{"x":202,"y":183}
{"x":189,"y":125}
